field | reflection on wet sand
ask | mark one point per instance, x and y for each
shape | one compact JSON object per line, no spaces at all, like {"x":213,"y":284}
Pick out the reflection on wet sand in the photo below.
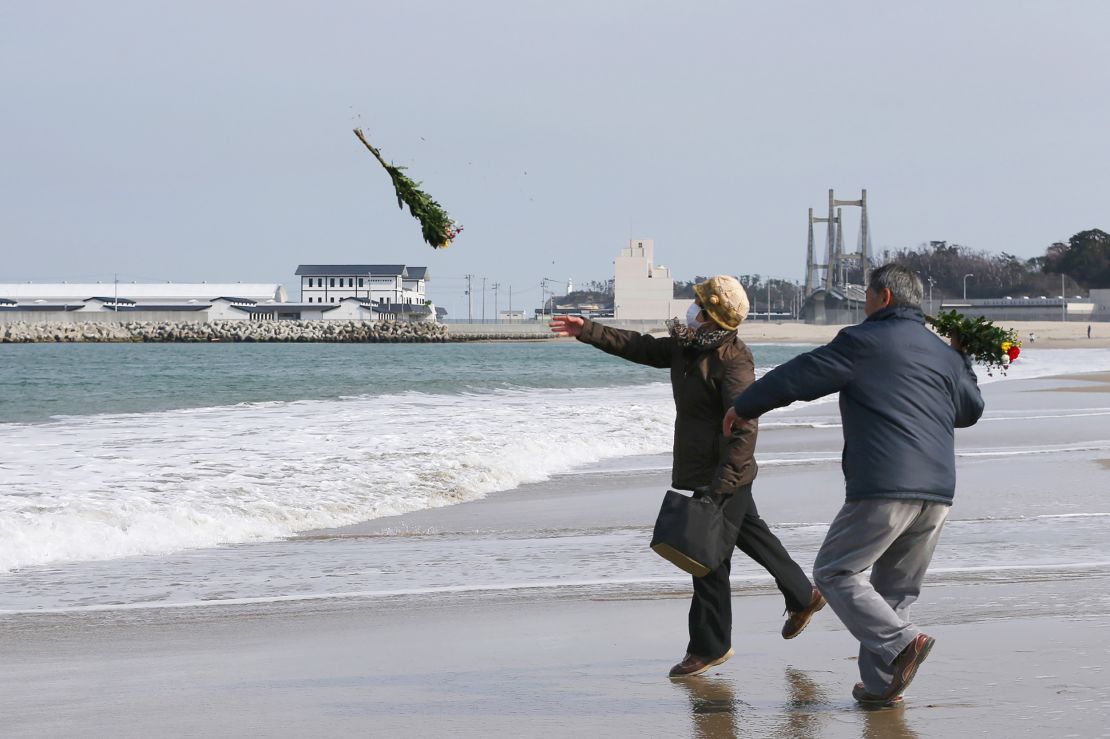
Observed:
{"x":714,"y":708}
{"x":807,"y":712}
{"x":886,"y":723}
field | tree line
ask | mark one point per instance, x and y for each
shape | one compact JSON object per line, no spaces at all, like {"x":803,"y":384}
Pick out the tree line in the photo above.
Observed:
{"x":1083,"y":261}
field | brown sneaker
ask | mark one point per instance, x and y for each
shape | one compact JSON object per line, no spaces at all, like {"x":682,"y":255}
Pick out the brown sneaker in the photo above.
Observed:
{"x":906,"y":663}
{"x":692,"y":664}
{"x":798,"y":620}
{"x":870,"y":700}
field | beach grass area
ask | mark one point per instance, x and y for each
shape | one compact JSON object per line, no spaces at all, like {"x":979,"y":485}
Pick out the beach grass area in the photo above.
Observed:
{"x":1018,"y":600}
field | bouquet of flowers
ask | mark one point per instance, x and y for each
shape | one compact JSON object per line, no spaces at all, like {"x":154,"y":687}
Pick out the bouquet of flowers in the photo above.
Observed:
{"x":978,"y":338}
{"x":437,"y":227}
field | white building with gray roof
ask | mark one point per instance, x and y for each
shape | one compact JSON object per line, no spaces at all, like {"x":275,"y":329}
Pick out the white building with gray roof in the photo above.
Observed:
{"x":380,"y":284}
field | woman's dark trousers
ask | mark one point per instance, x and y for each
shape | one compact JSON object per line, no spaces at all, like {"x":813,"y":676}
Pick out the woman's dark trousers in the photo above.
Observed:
{"x":711,"y":609}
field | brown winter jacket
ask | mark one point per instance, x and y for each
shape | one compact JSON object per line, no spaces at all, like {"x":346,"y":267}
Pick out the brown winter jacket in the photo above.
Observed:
{"x":704,"y":383}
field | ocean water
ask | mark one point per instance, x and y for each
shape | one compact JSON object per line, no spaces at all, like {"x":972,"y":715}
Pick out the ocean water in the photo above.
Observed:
{"x":119,"y":450}
{"x":139,"y":475}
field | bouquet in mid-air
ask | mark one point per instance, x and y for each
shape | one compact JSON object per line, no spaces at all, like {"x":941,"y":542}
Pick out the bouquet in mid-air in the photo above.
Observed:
{"x":992,"y":346}
{"x":438,"y":228}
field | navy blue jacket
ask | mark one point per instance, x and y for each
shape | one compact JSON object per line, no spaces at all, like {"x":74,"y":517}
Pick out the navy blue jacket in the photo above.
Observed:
{"x":902,"y":392}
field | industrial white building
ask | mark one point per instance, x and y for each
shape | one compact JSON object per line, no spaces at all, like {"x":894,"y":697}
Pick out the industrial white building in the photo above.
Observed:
{"x":329,"y":292}
{"x":382,"y":284}
{"x":165,"y":293}
{"x":132,"y":301}
{"x":642,"y":290}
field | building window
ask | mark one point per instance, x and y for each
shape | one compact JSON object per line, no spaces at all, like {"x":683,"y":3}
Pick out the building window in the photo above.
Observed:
{"x":333,"y":300}
{"x":360,"y":282}
{"x":333,"y":282}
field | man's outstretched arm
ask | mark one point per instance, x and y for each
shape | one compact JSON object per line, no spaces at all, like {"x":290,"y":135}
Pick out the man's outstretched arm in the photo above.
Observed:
{"x":808,"y":376}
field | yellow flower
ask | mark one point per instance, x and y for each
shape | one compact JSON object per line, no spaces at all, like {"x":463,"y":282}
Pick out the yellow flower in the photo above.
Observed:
{"x":1006,"y":346}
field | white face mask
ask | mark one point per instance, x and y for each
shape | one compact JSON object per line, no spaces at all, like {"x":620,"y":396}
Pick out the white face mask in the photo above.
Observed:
{"x":692,"y":317}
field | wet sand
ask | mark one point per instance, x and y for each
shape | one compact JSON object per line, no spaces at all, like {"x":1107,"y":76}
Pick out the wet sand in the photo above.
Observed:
{"x":1094,"y":382}
{"x":1021,"y":651}
{"x":555,"y":667}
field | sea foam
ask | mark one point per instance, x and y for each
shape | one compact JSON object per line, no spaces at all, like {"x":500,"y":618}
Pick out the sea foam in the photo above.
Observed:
{"x":99,"y":487}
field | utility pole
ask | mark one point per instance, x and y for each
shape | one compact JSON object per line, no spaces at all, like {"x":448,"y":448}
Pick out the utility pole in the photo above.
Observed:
{"x":496,"y":316}
{"x":768,"y":300}
{"x":510,"y":302}
{"x":1063,"y":300}
{"x":469,"y":301}
{"x":483,"y":300}
{"x":543,"y":295}
{"x":965,"y":284}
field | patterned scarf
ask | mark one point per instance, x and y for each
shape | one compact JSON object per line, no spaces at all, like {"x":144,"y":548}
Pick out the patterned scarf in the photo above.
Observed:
{"x":699,"y":339}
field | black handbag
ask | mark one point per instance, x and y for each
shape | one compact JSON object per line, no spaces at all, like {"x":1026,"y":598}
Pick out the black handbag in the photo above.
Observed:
{"x":693,"y":533}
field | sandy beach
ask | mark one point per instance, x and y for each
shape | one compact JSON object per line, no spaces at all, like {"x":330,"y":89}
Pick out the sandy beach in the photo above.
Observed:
{"x":1048,"y":334}
{"x":1022,"y":622}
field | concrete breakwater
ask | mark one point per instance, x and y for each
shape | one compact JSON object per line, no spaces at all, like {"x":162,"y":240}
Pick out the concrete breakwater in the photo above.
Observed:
{"x":232,"y":331}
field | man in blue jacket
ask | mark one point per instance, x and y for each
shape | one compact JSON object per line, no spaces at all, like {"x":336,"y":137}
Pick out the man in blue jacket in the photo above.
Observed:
{"x":902,"y":392}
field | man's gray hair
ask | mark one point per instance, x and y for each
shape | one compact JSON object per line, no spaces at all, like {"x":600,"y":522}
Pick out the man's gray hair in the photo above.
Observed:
{"x":905,"y":286}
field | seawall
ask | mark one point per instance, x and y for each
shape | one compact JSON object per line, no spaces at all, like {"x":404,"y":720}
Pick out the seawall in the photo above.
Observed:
{"x":233,"y":331}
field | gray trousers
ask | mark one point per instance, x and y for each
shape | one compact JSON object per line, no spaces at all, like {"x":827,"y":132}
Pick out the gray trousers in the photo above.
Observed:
{"x":895,"y":539}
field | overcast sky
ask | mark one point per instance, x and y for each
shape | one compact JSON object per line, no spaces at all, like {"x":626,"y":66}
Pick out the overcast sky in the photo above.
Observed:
{"x":212,"y":140}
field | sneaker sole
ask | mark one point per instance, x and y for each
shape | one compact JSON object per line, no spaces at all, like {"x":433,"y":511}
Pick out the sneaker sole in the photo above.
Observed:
{"x":719,"y":661}
{"x":925,"y":649}
{"x":804,"y":625}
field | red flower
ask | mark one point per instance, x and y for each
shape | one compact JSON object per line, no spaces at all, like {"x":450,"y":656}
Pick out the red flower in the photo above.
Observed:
{"x":1013,"y":353}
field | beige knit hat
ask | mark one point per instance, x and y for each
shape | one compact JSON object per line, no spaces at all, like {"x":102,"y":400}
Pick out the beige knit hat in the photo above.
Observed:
{"x":724,"y":299}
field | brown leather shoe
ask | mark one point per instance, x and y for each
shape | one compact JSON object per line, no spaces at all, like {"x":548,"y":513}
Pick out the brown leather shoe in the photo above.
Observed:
{"x":871,"y":700}
{"x":798,"y":620}
{"x":906,"y":663}
{"x":692,"y":664}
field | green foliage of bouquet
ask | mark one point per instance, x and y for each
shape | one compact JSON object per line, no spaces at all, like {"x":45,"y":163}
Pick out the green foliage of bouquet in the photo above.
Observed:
{"x":437,"y":227}
{"x":980,"y":339}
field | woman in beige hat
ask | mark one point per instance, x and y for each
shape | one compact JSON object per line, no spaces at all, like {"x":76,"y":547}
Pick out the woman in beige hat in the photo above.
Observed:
{"x":709,"y":367}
